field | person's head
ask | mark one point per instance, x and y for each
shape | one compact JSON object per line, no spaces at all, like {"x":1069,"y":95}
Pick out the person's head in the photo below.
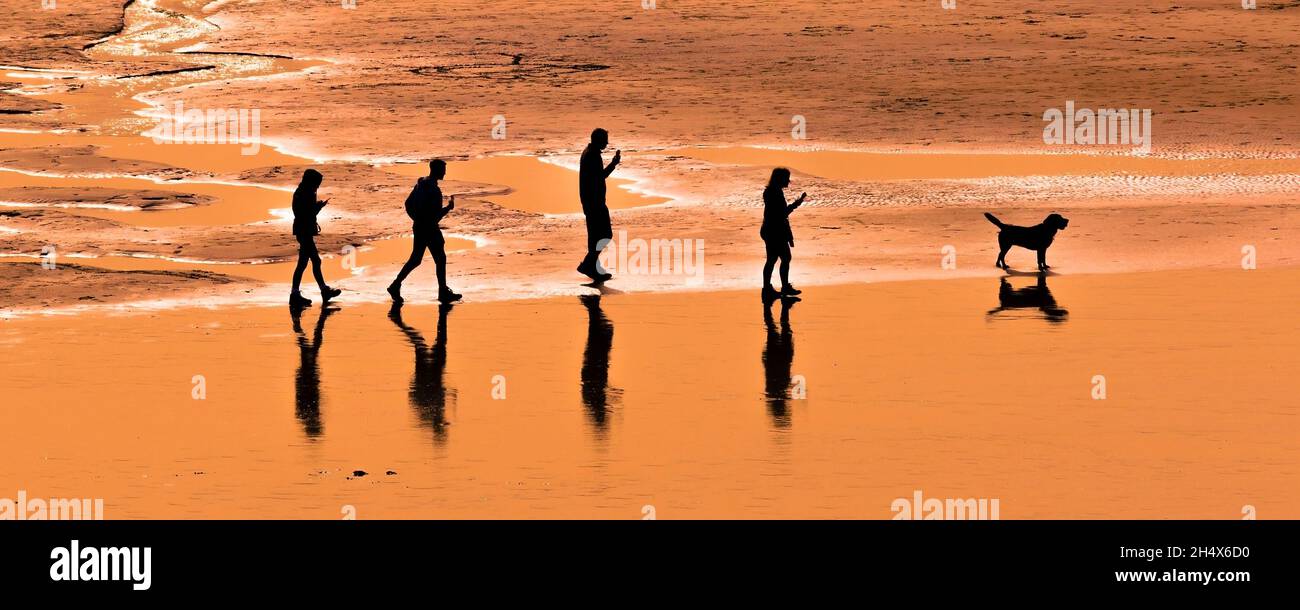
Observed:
{"x":437,"y":169}
{"x":311,"y":179}
{"x":600,"y":138}
{"x":780,"y":178}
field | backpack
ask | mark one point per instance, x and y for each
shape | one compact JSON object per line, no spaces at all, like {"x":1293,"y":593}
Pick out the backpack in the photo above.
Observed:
{"x":412,"y":200}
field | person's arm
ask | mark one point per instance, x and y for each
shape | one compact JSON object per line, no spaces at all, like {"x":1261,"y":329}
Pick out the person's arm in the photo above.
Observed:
{"x":320,"y":204}
{"x":790,"y":209}
{"x":613,"y":163}
{"x":450,"y":206}
{"x":794,"y":206}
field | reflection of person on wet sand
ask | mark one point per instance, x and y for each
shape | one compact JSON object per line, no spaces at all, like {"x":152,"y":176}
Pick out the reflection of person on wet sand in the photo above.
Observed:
{"x":428,"y":392}
{"x":596,"y":393}
{"x":1038,"y":296}
{"x":776,"y":233}
{"x":305,"y":230}
{"x":592,"y":172}
{"x":778,"y":356}
{"x":424,"y":206}
{"x":307,"y":378}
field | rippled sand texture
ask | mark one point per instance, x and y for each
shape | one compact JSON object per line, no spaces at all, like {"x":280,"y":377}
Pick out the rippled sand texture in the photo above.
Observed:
{"x":353,"y":91}
{"x":695,"y":72}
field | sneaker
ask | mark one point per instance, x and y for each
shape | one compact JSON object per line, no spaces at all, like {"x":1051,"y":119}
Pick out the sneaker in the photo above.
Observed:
{"x":447,"y":296}
{"x":329,"y":293}
{"x":297,"y":300}
{"x":789,"y":290}
{"x":592,"y":273}
{"x":395,"y":291}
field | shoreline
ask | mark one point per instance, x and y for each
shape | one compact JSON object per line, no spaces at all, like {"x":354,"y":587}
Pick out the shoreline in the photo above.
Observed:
{"x":264,"y":300}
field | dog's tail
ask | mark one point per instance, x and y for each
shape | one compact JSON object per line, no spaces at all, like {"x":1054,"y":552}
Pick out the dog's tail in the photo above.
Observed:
{"x":994,"y":219}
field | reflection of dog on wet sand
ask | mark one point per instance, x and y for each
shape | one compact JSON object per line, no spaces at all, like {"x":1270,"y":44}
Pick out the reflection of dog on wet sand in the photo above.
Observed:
{"x":1038,"y":296}
{"x":1038,"y":237}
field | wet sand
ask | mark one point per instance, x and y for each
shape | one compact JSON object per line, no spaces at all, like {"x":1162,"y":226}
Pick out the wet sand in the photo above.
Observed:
{"x":662,"y":399}
{"x":874,"y":166}
{"x":895,"y":75}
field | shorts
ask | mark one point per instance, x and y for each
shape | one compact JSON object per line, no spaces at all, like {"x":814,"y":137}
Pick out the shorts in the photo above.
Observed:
{"x":307,"y":245}
{"x":777,"y":249}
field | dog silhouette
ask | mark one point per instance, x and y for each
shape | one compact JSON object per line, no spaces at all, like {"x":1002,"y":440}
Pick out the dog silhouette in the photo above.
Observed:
{"x":1037,"y":238}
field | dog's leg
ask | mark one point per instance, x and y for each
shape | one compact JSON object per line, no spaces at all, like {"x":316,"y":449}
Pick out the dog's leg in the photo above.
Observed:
{"x":1042,"y":260}
{"x":1002,"y":256}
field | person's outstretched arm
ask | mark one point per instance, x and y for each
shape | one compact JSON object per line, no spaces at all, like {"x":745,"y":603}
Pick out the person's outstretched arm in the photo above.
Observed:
{"x":794,"y":206}
{"x":613,"y":163}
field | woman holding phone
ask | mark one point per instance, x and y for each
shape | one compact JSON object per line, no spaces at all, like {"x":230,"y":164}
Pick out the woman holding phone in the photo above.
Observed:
{"x":305,"y":230}
{"x":776,"y":232}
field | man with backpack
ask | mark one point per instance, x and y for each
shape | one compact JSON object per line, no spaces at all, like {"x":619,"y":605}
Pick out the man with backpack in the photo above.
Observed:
{"x":424,"y":206}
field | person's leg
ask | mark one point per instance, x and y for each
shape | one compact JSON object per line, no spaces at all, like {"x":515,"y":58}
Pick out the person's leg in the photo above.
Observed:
{"x":588,"y":265}
{"x":297,"y":271}
{"x":440,"y":261}
{"x":309,"y":248}
{"x":417,"y":253}
{"x":439,"y":252}
{"x":304,"y":256}
{"x":599,"y":232}
{"x":306,"y":250}
{"x":785,"y":269}
{"x":593,"y":254}
{"x":316,"y":271}
{"x":773,"y":251}
{"x":585,"y":266}
{"x":311,"y":254}
{"x":598,"y":245}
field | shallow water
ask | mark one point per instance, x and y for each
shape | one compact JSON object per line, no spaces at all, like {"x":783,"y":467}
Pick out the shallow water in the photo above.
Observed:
{"x":118,"y":111}
{"x":680,"y":401}
{"x":534,"y":185}
{"x":346,"y":263}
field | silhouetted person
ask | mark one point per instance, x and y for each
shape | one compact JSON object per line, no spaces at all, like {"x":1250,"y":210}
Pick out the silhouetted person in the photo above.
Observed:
{"x":592,"y":172}
{"x":596,"y":393}
{"x":778,"y":356}
{"x":1037,"y":297}
{"x":428,"y":392}
{"x":305,"y":230}
{"x":776,"y":233}
{"x":307,"y":378}
{"x":424,"y":206}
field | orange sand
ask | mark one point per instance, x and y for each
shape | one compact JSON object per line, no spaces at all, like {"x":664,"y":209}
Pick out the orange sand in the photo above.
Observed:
{"x":909,"y":385}
{"x":919,"y":119}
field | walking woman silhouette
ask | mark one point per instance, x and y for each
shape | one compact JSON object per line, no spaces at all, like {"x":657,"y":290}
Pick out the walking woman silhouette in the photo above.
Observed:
{"x":305,"y":230}
{"x":776,"y":232}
